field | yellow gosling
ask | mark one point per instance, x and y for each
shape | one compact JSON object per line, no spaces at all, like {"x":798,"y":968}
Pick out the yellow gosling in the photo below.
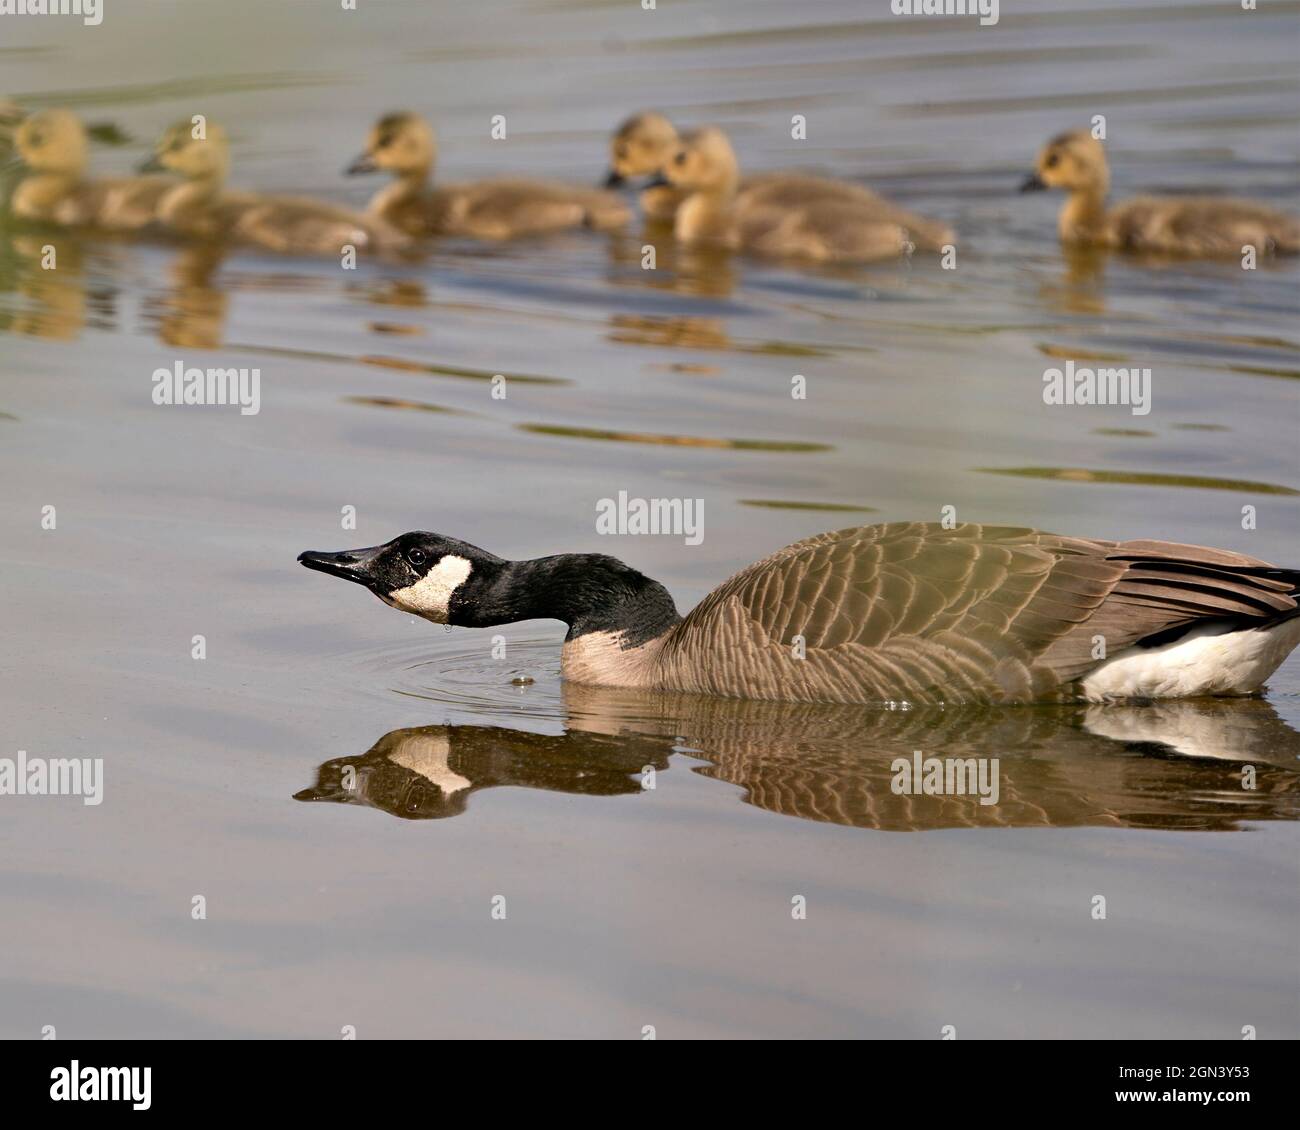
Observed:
{"x":850,"y":226}
{"x":1173,"y":225}
{"x":645,"y":143}
{"x":200,"y":205}
{"x":52,"y":145}
{"x":641,"y":147}
{"x":404,"y":144}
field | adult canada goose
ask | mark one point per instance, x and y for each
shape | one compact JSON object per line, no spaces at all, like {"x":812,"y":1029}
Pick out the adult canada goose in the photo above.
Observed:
{"x":201,"y":206}
{"x":1174,"y":225}
{"x":53,"y":145}
{"x":644,"y":144}
{"x":780,"y":219}
{"x":404,"y":144}
{"x":908,"y":611}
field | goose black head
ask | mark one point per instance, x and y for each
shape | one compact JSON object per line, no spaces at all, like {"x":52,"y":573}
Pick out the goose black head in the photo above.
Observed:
{"x":421,"y":573}
{"x":452,"y":582}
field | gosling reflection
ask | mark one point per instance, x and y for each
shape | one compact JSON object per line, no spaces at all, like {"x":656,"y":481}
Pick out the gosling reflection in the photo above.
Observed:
{"x":1082,"y":286}
{"x":62,"y":287}
{"x":50,"y":277}
{"x":680,"y":331}
{"x":192,"y":313}
{"x":430,"y":772}
{"x":1209,"y":765}
{"x":704,"y":271}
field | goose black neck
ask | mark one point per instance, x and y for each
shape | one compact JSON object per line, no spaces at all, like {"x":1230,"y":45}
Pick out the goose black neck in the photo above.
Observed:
{"x":587,"y":591}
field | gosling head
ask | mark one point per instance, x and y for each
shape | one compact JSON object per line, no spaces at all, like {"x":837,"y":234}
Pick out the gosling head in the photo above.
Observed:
{"x":425,"y":574}
{"x":703,"y":161}
{"x":1073,"y":161}
{"x":52,"y":141}
{"x":194,"y":153}
{"x":640,"y":147}
{"x":401,"y":143}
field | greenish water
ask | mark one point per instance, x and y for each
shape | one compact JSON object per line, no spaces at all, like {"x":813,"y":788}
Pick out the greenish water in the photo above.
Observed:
{"x":629,"y":906}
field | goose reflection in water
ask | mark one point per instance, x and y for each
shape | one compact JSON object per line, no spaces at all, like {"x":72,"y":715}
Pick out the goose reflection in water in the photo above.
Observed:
{"x":1207,"y":765}
{"x":428,"y":772}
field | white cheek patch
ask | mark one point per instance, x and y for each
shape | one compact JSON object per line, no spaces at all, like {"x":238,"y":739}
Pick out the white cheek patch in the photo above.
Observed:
{"x":431,"y":595}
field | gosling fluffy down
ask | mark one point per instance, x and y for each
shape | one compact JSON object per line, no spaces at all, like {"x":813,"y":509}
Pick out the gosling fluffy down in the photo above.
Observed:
{"x":1172,"y":225}
{"x":201,"y":206}
{"x":646,"y":143}
{"x":641,"y":147}
{"x":788,"y":216}
{"x":404,"y":144}
{"x":53,"y":145}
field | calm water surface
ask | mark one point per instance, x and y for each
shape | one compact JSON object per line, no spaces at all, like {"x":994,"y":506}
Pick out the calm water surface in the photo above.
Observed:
{"x":626,"y":906}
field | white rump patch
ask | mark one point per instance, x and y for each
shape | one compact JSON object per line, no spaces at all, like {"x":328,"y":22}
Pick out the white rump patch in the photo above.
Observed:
{"x":431,"y":595}
{"x":427,"y":756}
{"x":1206,"y":661}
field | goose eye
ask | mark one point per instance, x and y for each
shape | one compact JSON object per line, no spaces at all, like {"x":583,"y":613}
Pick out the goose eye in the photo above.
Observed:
{"x":620,"y":151}
{"x":1052,"y":161}
{"x":415,"y":556}
{"x":680,"y":159}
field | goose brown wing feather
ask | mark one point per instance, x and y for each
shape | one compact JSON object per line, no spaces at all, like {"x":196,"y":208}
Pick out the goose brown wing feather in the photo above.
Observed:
{"x":918,"y":612}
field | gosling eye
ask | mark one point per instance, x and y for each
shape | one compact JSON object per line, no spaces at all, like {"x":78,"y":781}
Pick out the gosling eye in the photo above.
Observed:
{"x":37,"y":140}
{"x":620,"y":151}
{"x":680,"y":159}
{"x":415,"y":556}
{"x":1052,"y":161}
